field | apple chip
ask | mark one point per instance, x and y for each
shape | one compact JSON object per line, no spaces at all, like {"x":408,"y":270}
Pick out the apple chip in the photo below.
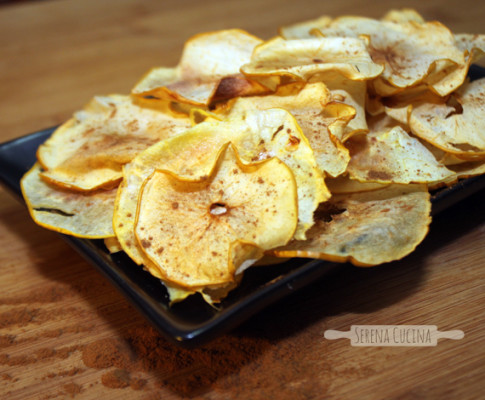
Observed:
{"x":88,"y":151}
{"x":400,"y":105}
{"x":310,"y":60}
{"x":410,"y":51}
{"x":84,"y":215}
{"x":468,"y":169}
{"x":352,"y":93}
{"x":257,"y":135}
{"x":308,"y":106}
{"x":461,"y":170}
{"x":191,"y":155}
{"x":456,"y":126}
{"x":176,"y":294}
{"x":393,"y":156}
{"x":276,"y":133}
{"x":208,"y":70}
{"x":367,"y":228}
{"x":448,"y":159}
{"x":200,"y":233}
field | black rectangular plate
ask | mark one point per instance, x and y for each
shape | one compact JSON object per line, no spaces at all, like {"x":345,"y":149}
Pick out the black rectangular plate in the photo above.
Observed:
{"x":192,"y":321}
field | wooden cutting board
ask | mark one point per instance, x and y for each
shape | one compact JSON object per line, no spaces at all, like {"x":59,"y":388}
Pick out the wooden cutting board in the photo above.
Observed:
{"x":66,"y":333}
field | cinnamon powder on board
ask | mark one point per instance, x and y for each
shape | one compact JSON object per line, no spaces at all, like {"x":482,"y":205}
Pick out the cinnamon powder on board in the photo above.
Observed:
{"x":230,"y":364}
{"x":138,"y":358}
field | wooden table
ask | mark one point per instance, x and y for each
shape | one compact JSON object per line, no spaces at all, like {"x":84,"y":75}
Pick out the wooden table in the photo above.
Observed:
{"x":66,"y":333}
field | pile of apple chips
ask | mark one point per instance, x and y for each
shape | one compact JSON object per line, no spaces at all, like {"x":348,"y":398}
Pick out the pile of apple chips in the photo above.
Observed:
{"x":322,"y":142}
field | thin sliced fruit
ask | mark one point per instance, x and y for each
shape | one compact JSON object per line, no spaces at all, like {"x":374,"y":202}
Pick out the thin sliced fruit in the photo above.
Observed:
{"x":367,"y":228}
{"x":308,"y":105}
{"x":461,"y":170}
{"x":411,"y":52}
{"x":84,"y":215}
{"x":310,"y":60}
{"x":207,"y":71}
{"x":393,"y":156}
{"x":191,"y":155}
{"x":352,"y":93}
{"x":456,"y":127}
{"x":200,"y":233}
{"x":88,"y":151}
{"x":258,"y":135}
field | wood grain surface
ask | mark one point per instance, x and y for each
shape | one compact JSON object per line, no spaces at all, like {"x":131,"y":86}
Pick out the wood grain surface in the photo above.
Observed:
{"x":66,"y":333}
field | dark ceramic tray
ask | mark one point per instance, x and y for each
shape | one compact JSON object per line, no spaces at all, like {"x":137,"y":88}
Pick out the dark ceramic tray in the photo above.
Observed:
{"x":192,"y":321}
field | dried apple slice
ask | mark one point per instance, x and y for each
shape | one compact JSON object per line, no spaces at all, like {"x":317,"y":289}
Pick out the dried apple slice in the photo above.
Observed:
{"x":310,"y":59}
{"x":191,"y":155}
{"x":461,"y":170}
{"x":338,"y":101}
{"x":457,"y":126}
{"x":207,"y":71}
{"x":392,"y":156}
{"x":308,"y":105}
{"x":367,"y":228}
{"x":84,"y":215}
{"x":258,"y":135}
{"x":276,"y":133}
{"x":411,"y":52}
{"x":468,"y":169}
{"x":400,"y":105}
{"x":352,"y":93}
{"x":88,"y":151}
{"x":202,"y":233}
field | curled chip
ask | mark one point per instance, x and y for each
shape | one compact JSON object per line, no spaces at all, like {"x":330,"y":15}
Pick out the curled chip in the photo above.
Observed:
{"x":257,"y":135}
{"x":352,"y":93}
{"x":208,"y":70}
{"x":461,"y":170}
{"x":401,"y":104}
{"x":457,"y":127}
{"x":310,"y":60}
{"x":191,"y":155}
{"x":88,"y":151}
{"x":392,"y":156}
{"x":411,"y":51}
{"x":202,"y":233}
{"x":84,"y":215}
{"x":309,"y":105}
{"x":367,"y":228}
{"x":276,"y":133}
